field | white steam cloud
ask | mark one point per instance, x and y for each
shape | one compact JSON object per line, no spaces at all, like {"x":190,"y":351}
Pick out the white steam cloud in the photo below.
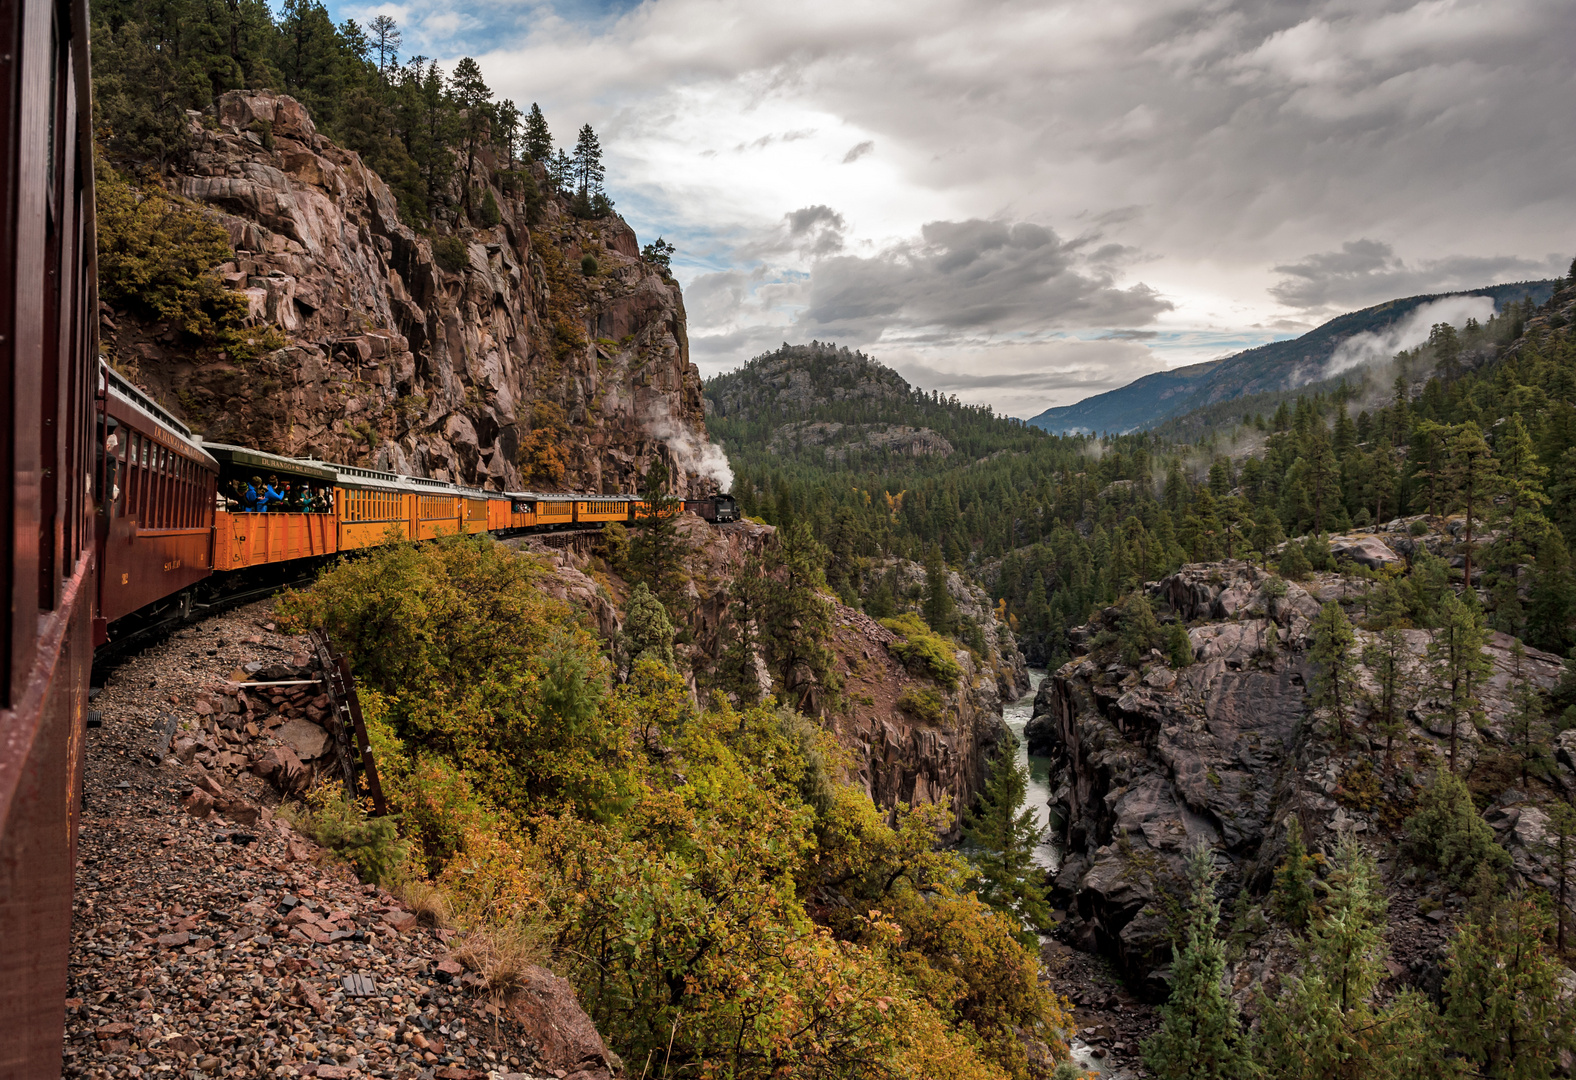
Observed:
{"x":690,"y":452}
{"x":1368,"y":346}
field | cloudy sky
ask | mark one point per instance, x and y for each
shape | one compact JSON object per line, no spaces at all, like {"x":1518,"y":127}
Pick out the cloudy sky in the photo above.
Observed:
{"x":1027,"y":203}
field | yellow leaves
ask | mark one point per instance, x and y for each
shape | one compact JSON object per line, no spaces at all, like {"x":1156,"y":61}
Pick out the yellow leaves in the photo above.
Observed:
{"x":894,"y":503}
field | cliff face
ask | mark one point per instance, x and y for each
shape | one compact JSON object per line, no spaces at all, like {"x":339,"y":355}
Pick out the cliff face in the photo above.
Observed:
{"x":400,"y":359}
{"x":901,"y":754}
{"x":1151,"y":761}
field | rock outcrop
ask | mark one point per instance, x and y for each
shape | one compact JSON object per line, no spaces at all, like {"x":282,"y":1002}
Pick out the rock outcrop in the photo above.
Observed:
{"x":1152,"y":760}
{"x":437,"y":356}
{"x":901,"y":753}
{"x":838,"y":439}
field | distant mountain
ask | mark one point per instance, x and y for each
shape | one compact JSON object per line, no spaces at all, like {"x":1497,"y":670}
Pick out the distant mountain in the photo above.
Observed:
{"x":1280,"y":365}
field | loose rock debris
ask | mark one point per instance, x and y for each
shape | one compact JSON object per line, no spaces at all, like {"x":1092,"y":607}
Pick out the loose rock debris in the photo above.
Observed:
{"x":211,"y":939}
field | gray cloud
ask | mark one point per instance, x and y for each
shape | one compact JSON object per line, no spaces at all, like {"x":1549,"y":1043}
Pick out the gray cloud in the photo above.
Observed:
{"x":859,"y":151}
{"x":1211,"y":145}
{"x":973,"y":276}
{"x":1365,"y":272}
{"x":811,"y":232}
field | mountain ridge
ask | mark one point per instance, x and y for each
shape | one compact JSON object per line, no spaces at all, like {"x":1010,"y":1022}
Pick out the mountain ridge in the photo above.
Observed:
{"x":1277,"y":365}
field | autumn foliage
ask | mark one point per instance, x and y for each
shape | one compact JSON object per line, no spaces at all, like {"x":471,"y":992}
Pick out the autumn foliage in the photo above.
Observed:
{"x":724,"y":906}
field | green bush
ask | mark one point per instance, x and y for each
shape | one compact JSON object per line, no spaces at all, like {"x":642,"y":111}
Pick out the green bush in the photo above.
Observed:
{"x":1294,"y":564}
{"x":588,"y":265}
{"x":922,"y":651}
{"x":1448,"y":835}
{"x":450,"y":253}
{"x":1317,"y":549}
{"x":372,"y":845}
{"x":155,"y":256}
{"x":488,"y":214}
{"x":923,"y":703}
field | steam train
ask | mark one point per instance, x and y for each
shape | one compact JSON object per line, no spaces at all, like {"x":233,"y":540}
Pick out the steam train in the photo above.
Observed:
{"x":172,"y":536}
{"x":111,"y":512}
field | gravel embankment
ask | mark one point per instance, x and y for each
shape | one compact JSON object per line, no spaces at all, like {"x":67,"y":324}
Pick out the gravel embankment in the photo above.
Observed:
{"x":232,"y":946}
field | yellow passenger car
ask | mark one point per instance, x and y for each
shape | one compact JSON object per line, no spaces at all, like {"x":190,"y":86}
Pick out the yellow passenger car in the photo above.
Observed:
{"x":368,"y":504}
{"x":603,"y":509}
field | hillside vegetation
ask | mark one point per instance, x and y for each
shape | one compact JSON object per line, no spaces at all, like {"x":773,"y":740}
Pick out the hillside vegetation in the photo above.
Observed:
{"x":726,"y":906}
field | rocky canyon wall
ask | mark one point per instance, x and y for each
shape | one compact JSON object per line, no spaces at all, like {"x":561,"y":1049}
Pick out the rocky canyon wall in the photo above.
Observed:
{"x":487,"y":358}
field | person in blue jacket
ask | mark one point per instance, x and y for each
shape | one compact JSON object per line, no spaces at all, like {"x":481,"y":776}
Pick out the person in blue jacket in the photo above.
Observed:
{"x":249,"y":496}
{"x":271,"y":498}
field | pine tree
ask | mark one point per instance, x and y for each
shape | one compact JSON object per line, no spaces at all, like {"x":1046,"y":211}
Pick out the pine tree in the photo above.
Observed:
{"x":737,"y":671}
{"x":647,"y":632}
{"x":1324,"y":478}
{"x":508,"y":117}
{"x":1447,"y":834}
{"x":1391,"y":662}
{"x":1522,"y":477}
{"x":1472,"y":477}
{"x":1233,"y":512}
{"x":588,"y":170}
{"x":654,"y":554}
{"x":1199,"y":1037}
{"x":1335,"y":672}
{"x":471,"y":95}
{"x":940,"y":612}
{"x":1179,"y":648}
{"x":1140,"y":630}
{"x":1325,"y":1025}
{"x":1294,"y":878}
{"x":1560,"y":849}
{"x":798,"y":620}
{"x":1003,"y":838}
{"x":1383,"y":483}
{"x":1265,"y":534}
{"x":1553,"y":596}
{"x":1457,"y":663}
{"x":538,"y":140}
{"x":1294,"y":564}
{"x":385,"y":39}
{"x":561,"y":171}
{"x":1504,"y":1010}
{"x":1527,"y":726}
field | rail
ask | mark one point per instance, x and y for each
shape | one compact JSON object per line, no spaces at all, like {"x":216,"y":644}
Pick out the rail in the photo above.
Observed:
{"x":349,"y":729}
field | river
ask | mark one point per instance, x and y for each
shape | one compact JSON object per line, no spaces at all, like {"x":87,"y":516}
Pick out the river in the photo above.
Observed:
{"x":1016,"y":715}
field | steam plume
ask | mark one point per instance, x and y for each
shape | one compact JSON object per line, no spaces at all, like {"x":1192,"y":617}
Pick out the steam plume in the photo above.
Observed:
{"x":689,"y":451}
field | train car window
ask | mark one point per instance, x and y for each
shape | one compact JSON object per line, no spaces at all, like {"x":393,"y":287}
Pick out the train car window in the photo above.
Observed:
{"x":135,"y":479}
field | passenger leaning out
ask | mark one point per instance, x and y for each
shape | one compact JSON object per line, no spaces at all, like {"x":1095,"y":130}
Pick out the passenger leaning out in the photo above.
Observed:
{"x":271,"y":494}
{"x":250,"y":496}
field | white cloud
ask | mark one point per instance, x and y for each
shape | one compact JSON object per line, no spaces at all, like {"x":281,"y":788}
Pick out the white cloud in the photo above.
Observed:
{"x":1367,"y":347}
{"x":1183,"y":151}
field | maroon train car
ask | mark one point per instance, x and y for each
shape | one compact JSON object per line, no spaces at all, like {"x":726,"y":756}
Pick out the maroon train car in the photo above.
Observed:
{"x":159,"y":488}
{"x":48,"y":377}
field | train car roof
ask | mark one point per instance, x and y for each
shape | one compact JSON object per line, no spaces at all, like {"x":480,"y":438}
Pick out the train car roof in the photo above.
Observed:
{"x":116,"y":384}
{"x":258,"y":459}
{"x":565,"y":496}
